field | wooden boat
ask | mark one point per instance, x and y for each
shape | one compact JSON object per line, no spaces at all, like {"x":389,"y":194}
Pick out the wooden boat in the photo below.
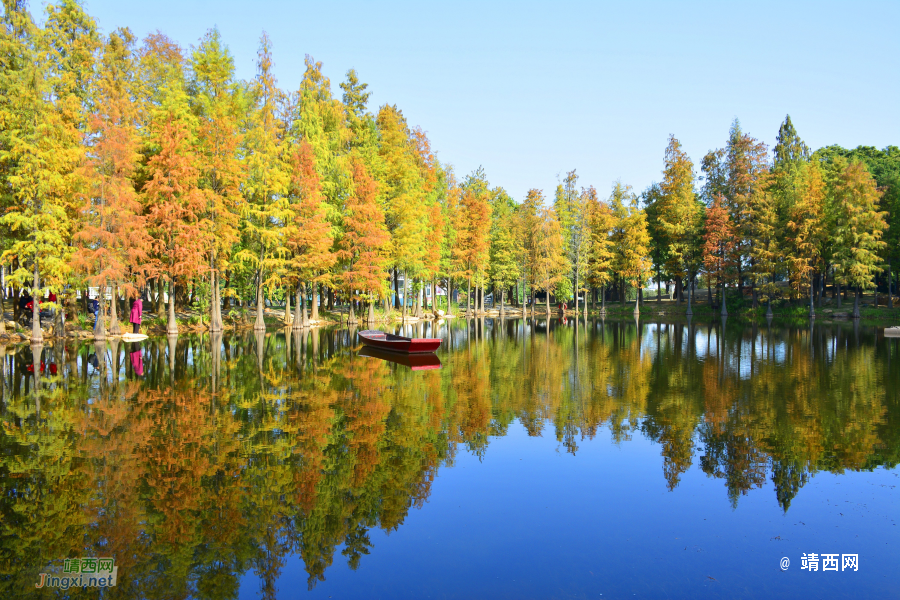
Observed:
{"x":398,"y":343}
{"x":892,"y":332}
{"x":422,"y":361}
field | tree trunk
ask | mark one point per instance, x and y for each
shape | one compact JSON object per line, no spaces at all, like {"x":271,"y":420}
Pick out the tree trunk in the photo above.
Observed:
{"x":856,"y":296}
{"x":215,"y":306}
{"x":679,"y":296}
{"x":812,"y":295}
{"x":226,"y":301}
{"x":260,"y":324}
{"x":450,"y":295}
{"x":469,"y":299}
{"x":172,"y":328}
{"x":299,"y":307}
{"x":114,"y":327}
{"x":724,"y":302}
{"x":637,"y":301}
{"x":396,"y":290}
{"x":2,"y":320}
{"x":837,"y":284}
{"x":37,"y":335}
{"x":160,"y":303}
{"x":889,"y":275}
{"x":547,"y":298}
{"x":690,"y":287}
{"x":405,"y":294}
{"x":603,"y":300}
{"x":316,"y":294}
{"x":709,"y":294}
{"x":100,"y":320}
{"x":288,"y":317}
{"x":576,"y":292}
{"x":419,"y":296}
{"x":502,"y":307}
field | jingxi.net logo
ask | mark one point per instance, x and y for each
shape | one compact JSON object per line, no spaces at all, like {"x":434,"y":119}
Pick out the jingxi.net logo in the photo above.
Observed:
{"x":81,"y":572}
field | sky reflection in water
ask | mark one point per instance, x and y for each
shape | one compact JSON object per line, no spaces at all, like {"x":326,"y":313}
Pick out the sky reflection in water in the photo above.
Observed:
{"x":664,"y":460}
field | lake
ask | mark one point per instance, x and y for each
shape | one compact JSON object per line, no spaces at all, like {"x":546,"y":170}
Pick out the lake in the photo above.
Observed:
{"x":560,"y":459}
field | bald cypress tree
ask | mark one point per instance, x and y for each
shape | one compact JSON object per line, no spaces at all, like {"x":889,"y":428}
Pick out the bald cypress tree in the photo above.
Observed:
{"x":859,"y":227}
{"x":789,"y":148}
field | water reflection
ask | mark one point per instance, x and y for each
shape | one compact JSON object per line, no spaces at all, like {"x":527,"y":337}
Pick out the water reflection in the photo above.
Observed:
{"x":416,"y":362}
{"x":193,"y":460}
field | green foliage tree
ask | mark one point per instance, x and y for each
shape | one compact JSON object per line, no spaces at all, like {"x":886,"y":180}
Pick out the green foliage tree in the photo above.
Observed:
{"x":859,"y":227}
{"x":266,"y":208}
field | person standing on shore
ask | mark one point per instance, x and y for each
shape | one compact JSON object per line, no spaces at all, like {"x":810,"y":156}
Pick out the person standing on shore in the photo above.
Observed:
{"x":137,"y":309}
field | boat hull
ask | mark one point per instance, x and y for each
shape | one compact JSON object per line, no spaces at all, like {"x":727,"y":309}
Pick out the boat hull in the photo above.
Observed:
{"x":397,"y":343}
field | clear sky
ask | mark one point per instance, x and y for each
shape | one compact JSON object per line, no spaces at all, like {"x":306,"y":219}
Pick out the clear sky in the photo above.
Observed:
{"x":530,"y":90}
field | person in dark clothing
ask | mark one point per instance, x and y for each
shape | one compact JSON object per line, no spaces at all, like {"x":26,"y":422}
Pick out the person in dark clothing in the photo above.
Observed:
{"x":94,"y":309}
{"x":24,"y":300}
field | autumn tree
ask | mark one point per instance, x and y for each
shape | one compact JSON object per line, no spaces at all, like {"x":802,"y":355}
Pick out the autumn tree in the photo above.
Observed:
{"x":601,"y":253}
{"x":471,"y":251}
{"x":218,"y":102}
{"x":528,"y":215}
{"x":566,"y":206}
{"x":504,"y":247}
{"x":309,"y":236}
{"x":365,"y":242}
{"x":634,"y":248}
{"x":680,"y":215}
{"x":112,"y":243}
{"x":434,"y":189}
{"x":659,"y":246}
{"x":321,"y":120}
{"x":265,"y":209}
{"x":174,"y":203}
{"x":806,"y":228}
{"x":767,"y":252}
{"x":718,"y":246}
{"x":550,"y":264}
{"x":402,"y":197}
{"x":41,"y":144}
{"x":859,"y":227}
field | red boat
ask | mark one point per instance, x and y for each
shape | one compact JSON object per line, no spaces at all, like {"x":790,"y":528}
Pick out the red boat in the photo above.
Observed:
{"x":417,"y":362}
{"x":398,"y":343}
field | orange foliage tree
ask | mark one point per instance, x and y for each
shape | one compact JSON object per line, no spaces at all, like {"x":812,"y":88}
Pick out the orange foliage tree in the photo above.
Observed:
{"x":718,"y":244}
{"x":310,"y":237}
{"x":174,"y":202}
{"x":112,"y":242}
{"x":364,"y":242}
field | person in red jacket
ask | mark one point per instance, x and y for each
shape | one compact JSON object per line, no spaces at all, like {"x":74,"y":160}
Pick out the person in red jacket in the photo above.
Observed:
{"x":137,"y":310}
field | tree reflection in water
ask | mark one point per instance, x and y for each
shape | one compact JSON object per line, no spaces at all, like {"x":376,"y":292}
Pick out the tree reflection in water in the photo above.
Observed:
{"x":193,"y":460}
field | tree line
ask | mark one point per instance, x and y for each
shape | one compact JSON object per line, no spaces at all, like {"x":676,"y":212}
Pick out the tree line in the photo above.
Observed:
{"x":146,"y":168}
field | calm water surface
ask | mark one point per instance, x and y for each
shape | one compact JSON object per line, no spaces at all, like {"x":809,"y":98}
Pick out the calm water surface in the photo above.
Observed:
{"x":562,"y":460}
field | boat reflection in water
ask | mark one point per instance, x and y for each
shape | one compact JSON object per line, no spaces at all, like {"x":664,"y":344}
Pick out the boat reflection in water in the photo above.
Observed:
{"x":416,"y":362}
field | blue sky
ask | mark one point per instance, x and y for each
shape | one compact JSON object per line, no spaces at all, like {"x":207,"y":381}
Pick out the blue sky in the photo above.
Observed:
{"x":530,"y":90}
